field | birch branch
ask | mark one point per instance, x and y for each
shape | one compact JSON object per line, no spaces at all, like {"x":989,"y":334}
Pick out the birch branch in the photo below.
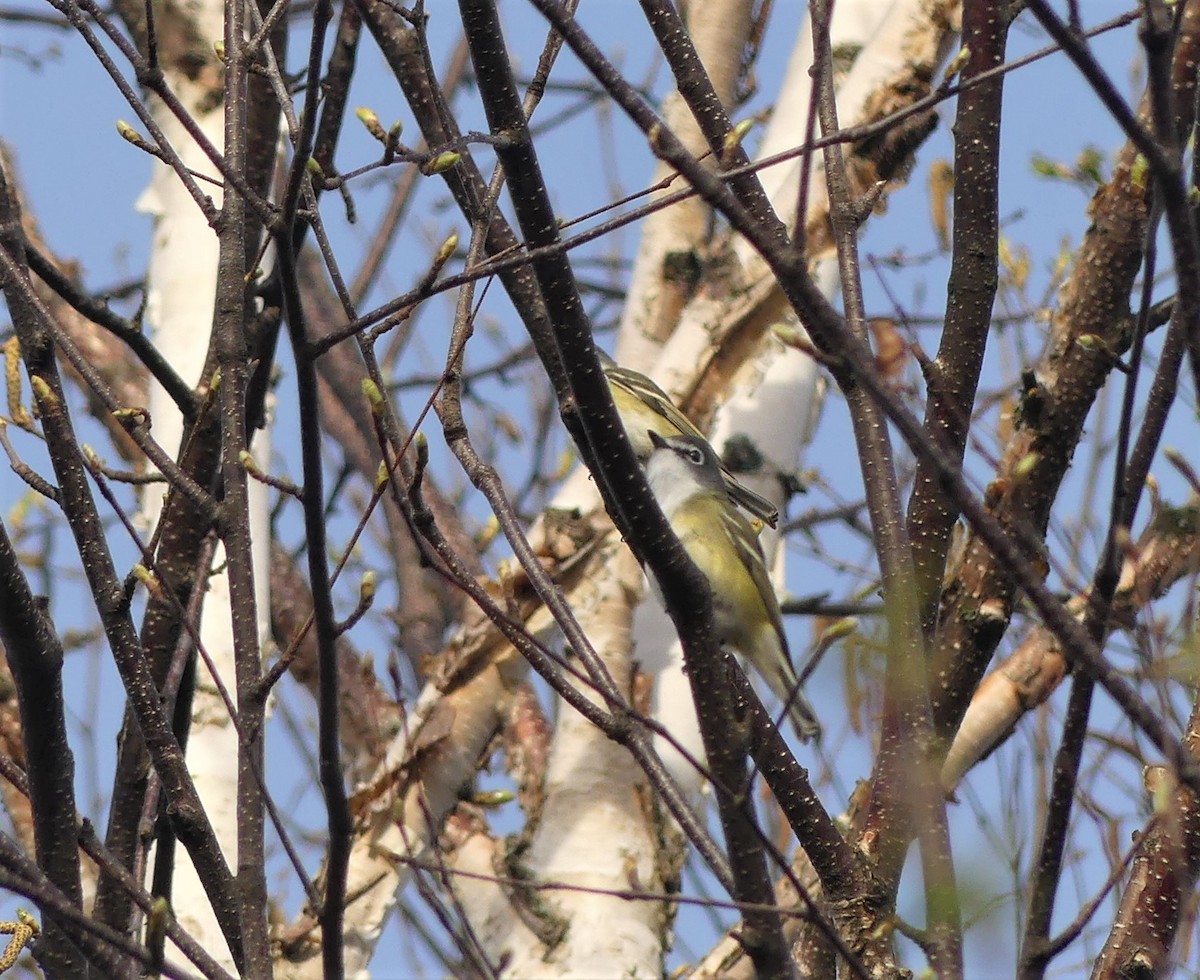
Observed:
{"x":1166,"y":552}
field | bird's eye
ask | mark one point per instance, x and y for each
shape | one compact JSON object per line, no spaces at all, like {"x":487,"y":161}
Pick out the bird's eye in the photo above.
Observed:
{"x":696,"y":456}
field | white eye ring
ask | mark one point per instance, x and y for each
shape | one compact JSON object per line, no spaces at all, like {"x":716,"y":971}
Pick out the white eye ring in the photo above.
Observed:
{"x":695,"y":456}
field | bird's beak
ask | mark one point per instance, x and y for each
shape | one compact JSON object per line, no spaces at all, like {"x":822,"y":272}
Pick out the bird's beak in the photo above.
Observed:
{"x":655,"y":439}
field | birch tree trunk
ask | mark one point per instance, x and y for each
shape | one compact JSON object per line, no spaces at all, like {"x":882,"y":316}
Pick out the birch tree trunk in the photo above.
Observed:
{"x":182,"y":284}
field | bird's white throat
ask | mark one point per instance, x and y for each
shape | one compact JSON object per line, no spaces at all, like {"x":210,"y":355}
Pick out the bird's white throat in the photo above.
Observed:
{"x":671,"y":481}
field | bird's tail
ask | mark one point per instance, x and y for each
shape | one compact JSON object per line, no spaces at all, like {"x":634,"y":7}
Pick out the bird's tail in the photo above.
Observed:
{"x":804,"y":719}
{"x":799,"y":711}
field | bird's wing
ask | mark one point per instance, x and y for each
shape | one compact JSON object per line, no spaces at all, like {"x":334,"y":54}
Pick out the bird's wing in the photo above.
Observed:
{"x":745,"y":542}
{"x":748,"y":500}
{"x":642,"y":387}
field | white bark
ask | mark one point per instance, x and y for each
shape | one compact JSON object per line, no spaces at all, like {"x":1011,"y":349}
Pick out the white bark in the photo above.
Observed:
{"x":487,"y":904}
{"x":180,"y":294}
{"x":909,"y":41}
{"x":596,"y":834}
{"x":892,"y":38}
{"x":719,"y":31}
{"x":435,"y":755}
{"x":854,"y":23}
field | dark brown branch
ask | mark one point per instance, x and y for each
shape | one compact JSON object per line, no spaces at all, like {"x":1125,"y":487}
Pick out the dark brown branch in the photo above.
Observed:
{"x":177,"y":546}
{"x":35,"y":657}
{"x":1064,"y":783}
{"x":904,"y":783}
{"x":328,"y":702}
{"x":231,"y":313}
{"x":970,"y":292}
{"x":1162,"y":881}
{"x":1128,"y":484}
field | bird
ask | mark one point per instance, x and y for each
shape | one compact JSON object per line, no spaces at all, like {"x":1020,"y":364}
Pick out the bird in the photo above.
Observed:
{"x":644,"y":407}
{"x":685,"y":476}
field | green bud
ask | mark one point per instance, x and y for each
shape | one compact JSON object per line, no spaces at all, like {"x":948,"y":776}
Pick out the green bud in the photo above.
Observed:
{"x":374,"y":396}
{"x":441,"y":163}
{"x":366,"y":588}
{"x":1045,"y":167}
{"x":791,"y":336}
{"x":156,"y":925}
{"x":1090,"y":165}
{"x":42,"y":391}
{"x":846,"y":626}
{"x":148,"y":579}
{"x":1026,"y":465}
{"x":130,"y":417}
{"x":368,"y":118}
{"x":492,"y":797}
{"x":248,"y":463}
{"x":738,"y":133}
{"x":447,"y":249}
{"x":958,"y":62}
{"x":1138,"y":172}
{"x":129,"y":134}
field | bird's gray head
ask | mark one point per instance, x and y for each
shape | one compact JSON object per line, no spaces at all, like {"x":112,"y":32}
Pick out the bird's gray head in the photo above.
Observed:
{"x":681,"y":462}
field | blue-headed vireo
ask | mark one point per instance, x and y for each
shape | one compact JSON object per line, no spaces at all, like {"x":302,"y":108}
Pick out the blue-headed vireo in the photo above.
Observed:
{"x":644,"y":407}
{"x":685,"y":477}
